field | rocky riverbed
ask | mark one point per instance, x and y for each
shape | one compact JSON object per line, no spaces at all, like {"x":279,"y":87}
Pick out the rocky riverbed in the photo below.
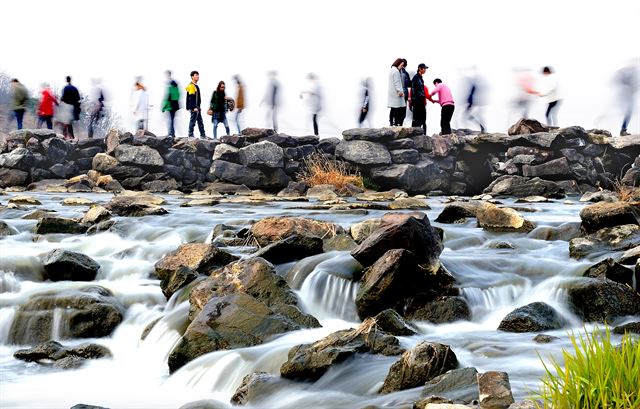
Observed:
{"x":382,"y":299}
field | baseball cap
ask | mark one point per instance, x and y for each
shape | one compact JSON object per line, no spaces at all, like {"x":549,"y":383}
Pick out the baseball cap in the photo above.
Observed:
{"x":422,"y":65}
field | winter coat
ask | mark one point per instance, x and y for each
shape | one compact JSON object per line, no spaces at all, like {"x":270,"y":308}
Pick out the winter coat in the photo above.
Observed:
{"x":19,"y":96}
{"x":194,"y":99}
{"x":47,"y":101}
{"x":395,"y":86}
{"x":172,"y":99}
{"x":71,"y":96}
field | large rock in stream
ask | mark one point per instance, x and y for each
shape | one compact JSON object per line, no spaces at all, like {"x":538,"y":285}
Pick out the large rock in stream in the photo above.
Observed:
{"x":418,"y":365}
{"x":311,"y":361}
{"x":533,"y":317}
{"x":242,"y":304}
{"x":607,"y":240}
{"x":272,"y":229}
{"x":600,"y":215}
{"x":136,"y":205}
{"x":62,"y":265}
{"x":602,"y":300}
{"x":88,"y":312}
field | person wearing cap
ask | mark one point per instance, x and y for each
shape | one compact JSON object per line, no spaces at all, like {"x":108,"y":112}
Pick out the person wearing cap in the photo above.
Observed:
{"x":445,"y":99}
{"x":419,"y":95}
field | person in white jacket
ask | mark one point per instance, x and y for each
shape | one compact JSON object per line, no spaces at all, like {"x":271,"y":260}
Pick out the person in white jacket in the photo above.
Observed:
{"x":314,"y":99}
{"x":140,"y":106}
{"x":395,"y":100}
{"x":549,"y":91}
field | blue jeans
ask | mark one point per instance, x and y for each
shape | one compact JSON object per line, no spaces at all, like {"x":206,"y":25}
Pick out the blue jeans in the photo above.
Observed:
{"x":215,"y":126}
{"x":19,"y":113}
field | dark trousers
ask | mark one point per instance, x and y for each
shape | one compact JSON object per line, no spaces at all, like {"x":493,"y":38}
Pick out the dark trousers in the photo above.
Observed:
{"x":45,"y":119}
{"x":93,"y":121}
{"x":196,"y":116}
{"x":172,"y":121}
{"x":315,"y":124}
{"x":419,"y":117}
{"x":363,"y":116}
{"x":67,"y":130}
{"x":402,"y":114}
{"x":552,"y":114}
{"x":396,"y":116}
{"x":445,"y":119}
{"x":19,"y":113}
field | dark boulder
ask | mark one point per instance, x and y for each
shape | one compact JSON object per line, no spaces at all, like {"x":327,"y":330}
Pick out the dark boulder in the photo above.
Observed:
{"x":291,"y":248}
{"x":363,"y":153}
{"x":526,"y":126}
{"x":458,"y":211}
{"x":457,"y":385}
{"x":630,"y":328}
{"x":533,"y":317}
{"x":556,"y":169}
{"x":412,"y":232}
{"x":250,"y":177}
{"x":54,"y":224}
{"x":418,"y":365}
{"x":369,"y":134}
{"x":136,"y":205}
{"x":442,"y":310}
{"x":88,"y":312}
{"x":600,"y":300}
{"x":422,"y":177}
{"x":19,"y":158}
{"x":272,"y":229}
{"x":13,"y":177}
{"x":262,"y":155}
{"x":392,"y":323}
{"x":140,"y":156}
{"x":520,"y":186}
{"x":257,"y":386}
{"x":605,"y":240}
{"x":611,"y":270}
{"x":61,"y":265}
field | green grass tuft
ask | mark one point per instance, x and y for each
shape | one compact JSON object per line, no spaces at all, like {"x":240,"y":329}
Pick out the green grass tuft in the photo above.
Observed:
{"x":596,"y":374}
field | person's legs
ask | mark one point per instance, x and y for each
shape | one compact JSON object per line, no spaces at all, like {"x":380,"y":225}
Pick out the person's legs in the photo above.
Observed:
{"x":19,"y":117}
{"x":40,"y":121}
{"x":226,"y":125}
{"x":274,"y":118}
{"x":203,"y":134}
{"x":71,"y":134}
{"x":172,"y":119}
{"x":629,"y":100}
{"x":445,"y":119}
{"x":315,"y":124}
{"x":192,"y":122}
{"x":419,"y":116}
{"x":49,"y":121}
{"x":392,"y":116}
{"x":215,"y":127}
{"x":402,"y":114}
{"x":238,"y":114}
{"x":363,"y":116}
{"x":551,"y":114}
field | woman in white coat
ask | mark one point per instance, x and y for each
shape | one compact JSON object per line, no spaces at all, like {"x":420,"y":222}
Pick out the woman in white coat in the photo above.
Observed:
{"x":396,"y":94}
{"x":140,"y":106}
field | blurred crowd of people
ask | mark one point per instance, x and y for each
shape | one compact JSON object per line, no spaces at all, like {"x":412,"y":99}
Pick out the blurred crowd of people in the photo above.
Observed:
{"x":408,"y":95}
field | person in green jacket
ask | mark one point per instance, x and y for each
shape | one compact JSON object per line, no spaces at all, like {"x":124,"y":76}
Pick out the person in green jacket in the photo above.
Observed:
{"x":171,"y":102}
{"x":19,"y":97}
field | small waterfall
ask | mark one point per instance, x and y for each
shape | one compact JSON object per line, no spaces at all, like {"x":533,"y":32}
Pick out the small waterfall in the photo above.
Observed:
{"x":325,"y":295}
{"x":9,"y":283}
{"x":6,"y":320}
{"x":59,"y":325}
{"x":166,"y":333}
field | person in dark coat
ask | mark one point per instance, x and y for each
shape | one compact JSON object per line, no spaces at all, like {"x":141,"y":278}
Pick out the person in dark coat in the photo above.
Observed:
{"x":71,"y":96}
{"x":194,"y":99}
{"x":418,"y":99}
{"x":218,"y":109}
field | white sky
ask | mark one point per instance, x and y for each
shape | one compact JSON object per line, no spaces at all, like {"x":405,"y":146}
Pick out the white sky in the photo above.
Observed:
{"x":342,"y":41}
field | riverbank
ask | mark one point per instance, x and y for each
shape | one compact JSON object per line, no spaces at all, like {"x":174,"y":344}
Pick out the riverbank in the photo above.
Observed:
{"x":530,"y":160}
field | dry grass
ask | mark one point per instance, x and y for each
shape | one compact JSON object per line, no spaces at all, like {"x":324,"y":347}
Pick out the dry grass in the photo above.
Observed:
{"x":320,"y":169}
{"x":626,"y":193}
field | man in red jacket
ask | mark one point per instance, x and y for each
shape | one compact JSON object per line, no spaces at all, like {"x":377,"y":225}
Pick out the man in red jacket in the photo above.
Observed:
{"x":46,"y":107}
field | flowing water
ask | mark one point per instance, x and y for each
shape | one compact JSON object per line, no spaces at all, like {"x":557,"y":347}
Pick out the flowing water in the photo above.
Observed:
{"x":493,"y":281}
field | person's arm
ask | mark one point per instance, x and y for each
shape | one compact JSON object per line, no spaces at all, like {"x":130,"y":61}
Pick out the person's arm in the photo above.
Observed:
{"x":397,"y":83}
{"x":436,"y":90}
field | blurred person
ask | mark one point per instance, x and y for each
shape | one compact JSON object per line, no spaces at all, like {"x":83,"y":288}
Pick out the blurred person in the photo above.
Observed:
{"x":96,"y":106}
{"x":194,"y":100}
{"x":218,"y":109}
{"x":171,"y":103}
{"x":627,"y":81}
{"x":71,"y":97}
{"x":473,"y":111}
{"x":364,"y":105}
{"x":395,"y":96}
{"x":406,"y":85}
{"x":140,"y":106}
{"x":445,"y":99}
{"x":549,"y":91}
{"x":271,"y":99}
{"x":314,"y":99}
{"x":19,"y":98}
{"x":524,"y":91}
{"x":46,"y":107}
{"x":418,"y":100}
{"x":239,"y":100}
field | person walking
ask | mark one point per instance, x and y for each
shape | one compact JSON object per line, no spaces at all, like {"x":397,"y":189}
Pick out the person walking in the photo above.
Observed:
{"x":19,"y":98}
{"x":314,"y":99}
{"x":271,"y":99}
{"x":239,"y":101}
{"x":140,"y":106}
{"x":171,"y":103}
{"x":218,"y":109}
{"x":71,"y":97}
{"x":46,"y":106}
{"x":406,"y":86}
{"x":475,"y":96}
{"x":395,"y":97}
{"x":445,"y":99}
{"x":96,"y":107}
{"x":364,"y":105}
{"x":418,"y":101}
{"x":549,"y":91}
{"x":194,"y":100}
{"x":627,"y":81}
